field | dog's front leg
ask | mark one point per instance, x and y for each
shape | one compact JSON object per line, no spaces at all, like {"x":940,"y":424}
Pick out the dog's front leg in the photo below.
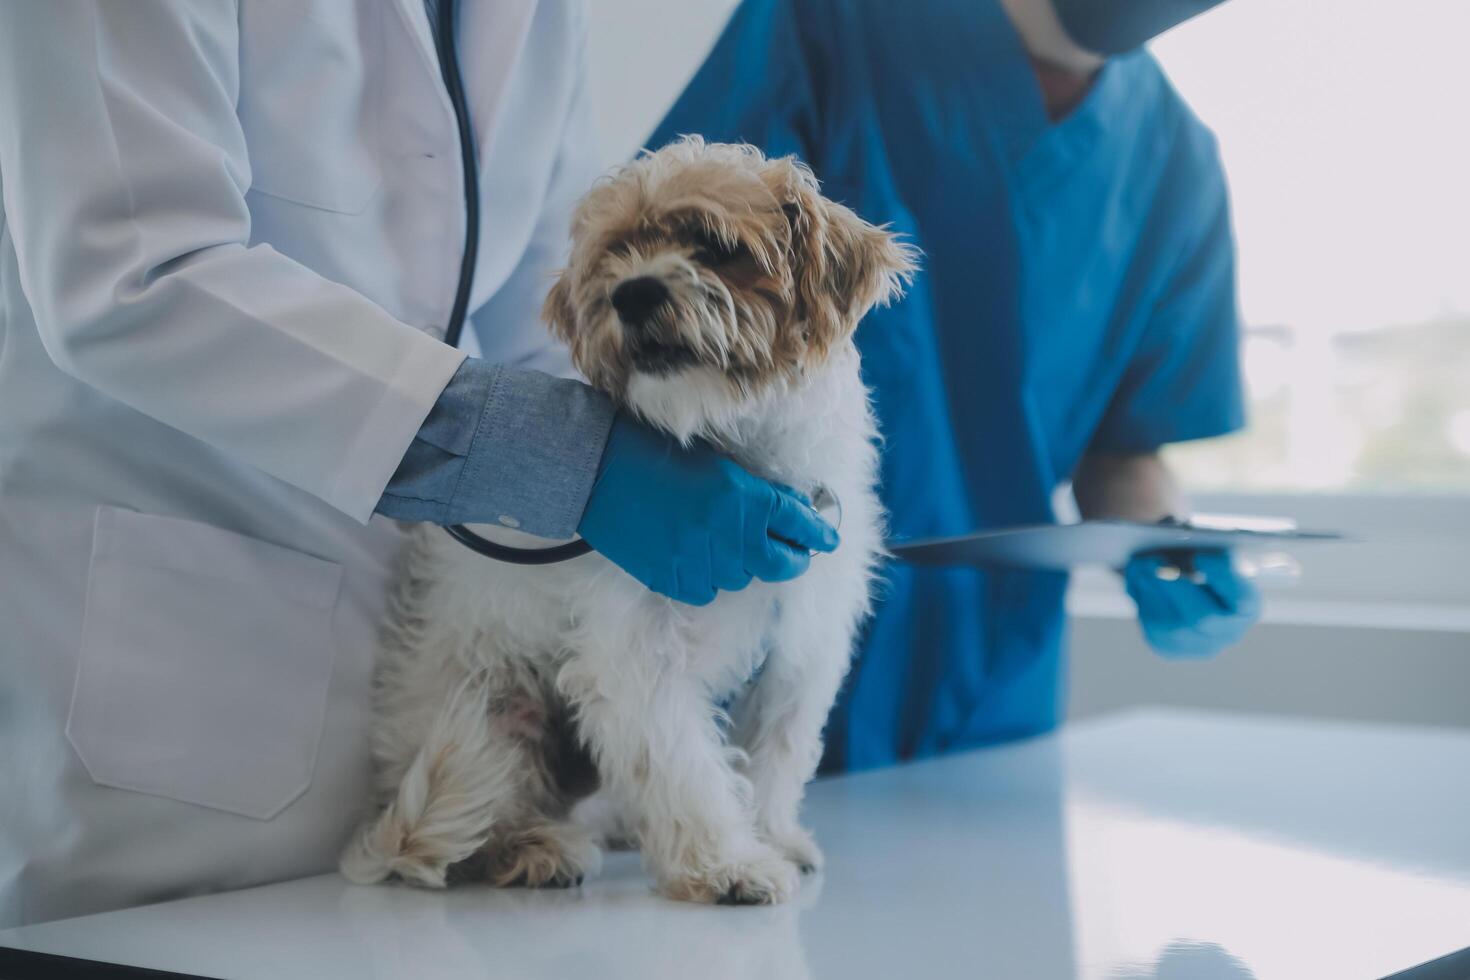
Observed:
{"x":660,"y":750}
{"x":779,"y":724}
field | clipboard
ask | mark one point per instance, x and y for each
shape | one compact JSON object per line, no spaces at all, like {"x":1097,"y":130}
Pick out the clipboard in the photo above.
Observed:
{"x":1110,"y":543}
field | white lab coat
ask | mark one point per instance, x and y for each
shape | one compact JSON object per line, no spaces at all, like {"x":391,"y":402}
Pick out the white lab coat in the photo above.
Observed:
{"x":229,"y":230}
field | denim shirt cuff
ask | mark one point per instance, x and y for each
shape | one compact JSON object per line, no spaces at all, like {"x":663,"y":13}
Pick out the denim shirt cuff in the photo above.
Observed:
{"x":504,"y":446}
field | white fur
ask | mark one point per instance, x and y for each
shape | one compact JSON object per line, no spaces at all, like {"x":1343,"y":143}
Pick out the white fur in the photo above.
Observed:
{"x":497,"y":680}
{"x":716,"y":816}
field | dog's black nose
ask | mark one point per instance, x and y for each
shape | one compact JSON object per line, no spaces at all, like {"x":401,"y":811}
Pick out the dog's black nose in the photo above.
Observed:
{"x":636,"y":299}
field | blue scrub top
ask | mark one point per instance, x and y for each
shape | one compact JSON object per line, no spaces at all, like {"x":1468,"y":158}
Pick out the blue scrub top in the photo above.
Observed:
{"x":1078,"y":292}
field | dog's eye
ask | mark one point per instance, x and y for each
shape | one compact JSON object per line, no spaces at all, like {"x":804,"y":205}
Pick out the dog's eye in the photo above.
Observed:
{"x":711,"y":249}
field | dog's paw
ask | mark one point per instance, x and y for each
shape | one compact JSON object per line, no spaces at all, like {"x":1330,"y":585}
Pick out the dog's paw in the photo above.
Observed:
{"x":800,"y":849}
{"x":550,"y":856}
{"x":763,"y":879}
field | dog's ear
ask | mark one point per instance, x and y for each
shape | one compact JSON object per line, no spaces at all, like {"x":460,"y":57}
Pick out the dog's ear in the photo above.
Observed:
{"x":842,"y":265}
{"x":557,"y":312}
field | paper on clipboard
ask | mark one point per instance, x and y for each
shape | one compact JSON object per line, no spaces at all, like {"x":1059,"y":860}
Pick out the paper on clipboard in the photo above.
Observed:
{"x":1109,"y":543}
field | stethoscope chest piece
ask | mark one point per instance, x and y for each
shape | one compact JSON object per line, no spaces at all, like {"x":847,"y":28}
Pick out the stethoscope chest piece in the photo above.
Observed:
{"x":825,"y":502}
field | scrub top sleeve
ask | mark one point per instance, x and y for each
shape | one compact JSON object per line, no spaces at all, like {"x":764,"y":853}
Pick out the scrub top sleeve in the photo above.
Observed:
{"x":1183,"y":381}
{"x":1117,"y":26}
{"x":125,"y":172}
{"x":755,"y":86}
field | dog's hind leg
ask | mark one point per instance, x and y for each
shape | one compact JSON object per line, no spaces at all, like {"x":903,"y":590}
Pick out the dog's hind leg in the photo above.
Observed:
{"x":546,"y":854}
{"x":458,"y":785}
{"x":543,"y":847}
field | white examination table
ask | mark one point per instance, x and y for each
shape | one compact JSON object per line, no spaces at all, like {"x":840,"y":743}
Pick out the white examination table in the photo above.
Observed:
{"x":1155,"y":844}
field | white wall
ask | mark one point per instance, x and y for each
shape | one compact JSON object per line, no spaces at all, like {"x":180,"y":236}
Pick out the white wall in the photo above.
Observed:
{"x":643,"y":51}
{"x":1355,"y":673}
{"x":1375,"y":629}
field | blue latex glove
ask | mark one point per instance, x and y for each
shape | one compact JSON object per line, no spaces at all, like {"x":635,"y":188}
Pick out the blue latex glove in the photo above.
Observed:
{"x":1185,"y":618}
{"x":689,"y":522}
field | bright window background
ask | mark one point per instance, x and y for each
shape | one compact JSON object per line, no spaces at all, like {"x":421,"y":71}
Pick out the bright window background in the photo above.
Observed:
{"x":1345,"y":134}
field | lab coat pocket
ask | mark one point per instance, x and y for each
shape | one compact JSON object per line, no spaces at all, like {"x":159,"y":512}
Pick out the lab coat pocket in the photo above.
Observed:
{"x":204,"y":664}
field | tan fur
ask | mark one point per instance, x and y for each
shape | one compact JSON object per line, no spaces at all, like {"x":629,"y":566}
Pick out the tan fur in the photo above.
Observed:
{"x":803,"y":269}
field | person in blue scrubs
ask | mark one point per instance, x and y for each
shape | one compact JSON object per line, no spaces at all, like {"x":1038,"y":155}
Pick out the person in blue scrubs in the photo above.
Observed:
{"x":1076,"y":312}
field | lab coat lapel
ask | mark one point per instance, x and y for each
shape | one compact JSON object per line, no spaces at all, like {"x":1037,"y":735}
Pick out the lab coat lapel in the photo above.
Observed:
{"x":492,"y":36}
{"x":493,"y":39}
{"x":415,"y":22}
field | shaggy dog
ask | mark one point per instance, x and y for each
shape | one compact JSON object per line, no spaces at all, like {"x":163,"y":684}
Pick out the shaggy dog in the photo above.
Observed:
{"x":507,"y":693}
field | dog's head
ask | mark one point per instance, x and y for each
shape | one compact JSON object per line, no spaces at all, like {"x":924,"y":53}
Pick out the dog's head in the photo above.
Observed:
{"x":704,"y":276}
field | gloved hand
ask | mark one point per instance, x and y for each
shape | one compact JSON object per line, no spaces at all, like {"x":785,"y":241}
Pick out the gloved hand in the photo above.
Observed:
{"x":1183,"y":617}
{"x":688,"y":522}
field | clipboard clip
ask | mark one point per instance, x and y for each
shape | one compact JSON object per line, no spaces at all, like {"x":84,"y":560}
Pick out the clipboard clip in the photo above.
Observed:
{"x":1275,"y":567}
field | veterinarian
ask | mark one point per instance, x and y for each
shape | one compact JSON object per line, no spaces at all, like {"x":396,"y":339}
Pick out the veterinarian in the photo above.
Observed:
{"x":1075,"y":313}
{"x":231,"y":236}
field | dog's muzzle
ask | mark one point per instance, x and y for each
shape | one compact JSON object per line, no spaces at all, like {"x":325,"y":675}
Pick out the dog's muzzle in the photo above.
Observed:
{"x":639,"y":303}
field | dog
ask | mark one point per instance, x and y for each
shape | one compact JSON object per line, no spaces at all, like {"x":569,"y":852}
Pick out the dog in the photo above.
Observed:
{"x":508,"y":693}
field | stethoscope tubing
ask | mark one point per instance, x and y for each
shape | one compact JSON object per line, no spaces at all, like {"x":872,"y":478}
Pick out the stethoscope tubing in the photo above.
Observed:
{"x":454,"y":84}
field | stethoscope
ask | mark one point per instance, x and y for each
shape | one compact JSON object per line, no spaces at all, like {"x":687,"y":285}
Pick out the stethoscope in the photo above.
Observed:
{"x":823,"y":499}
